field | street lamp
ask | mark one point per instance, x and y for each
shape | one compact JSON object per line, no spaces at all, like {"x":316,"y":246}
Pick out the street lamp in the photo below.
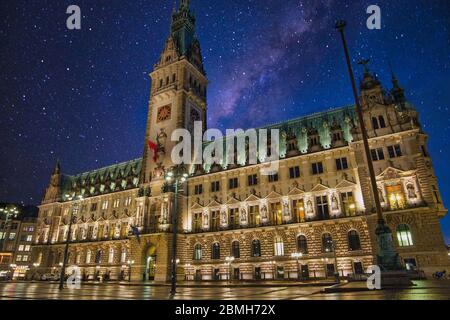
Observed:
{"x":175,"y":177}
{"x":9,"y":213}
{"x":388,"y":258}
{"x":73,"y":213}
{"x":336,"y":271}
{"x":130,"y":263}
{"x":273,"y":263}
{"x":297,"y":256}
{"x":229,"y":261}
{"x":36,"y":266}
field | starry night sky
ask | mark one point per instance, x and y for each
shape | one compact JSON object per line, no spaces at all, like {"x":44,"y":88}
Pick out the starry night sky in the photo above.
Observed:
{"x":82,"y":96}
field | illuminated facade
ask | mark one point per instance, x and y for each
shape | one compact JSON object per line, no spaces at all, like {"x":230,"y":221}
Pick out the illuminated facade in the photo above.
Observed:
{"x":235,"y":222}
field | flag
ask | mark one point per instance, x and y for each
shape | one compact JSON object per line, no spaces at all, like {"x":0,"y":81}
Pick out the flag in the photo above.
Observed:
{"x":154,"y":147}
{"x":136,"y":233}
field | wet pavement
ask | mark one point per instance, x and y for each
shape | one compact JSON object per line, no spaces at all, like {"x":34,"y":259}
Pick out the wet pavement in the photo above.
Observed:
{"x":424,"y":290}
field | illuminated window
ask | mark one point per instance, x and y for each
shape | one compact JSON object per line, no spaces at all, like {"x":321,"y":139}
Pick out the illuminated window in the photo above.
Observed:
{"x":123,"y":256}
{"x":197,"y":252}
{"x":27,"y":247}
{"x":12,"y":236}
{"x":105,"y":205}
{"x":256,"y":248}
{"x":254,"y":215}
{"x":25,"y":258}
{"x":29,"y":238}
{"x":111,"y":255}
{"x":299,"y":210}
{"x":88,"y":256}
{"x":404,"y":235}
{"x":327,"y":243}
{"x":215,"y":252}
{"x":396,"y":197}
{"x":279,"y":246}
{"x":19,"y":258}
{"x":21,"y":247}
{"x":302,"y":244}
{"x":348,"y":203}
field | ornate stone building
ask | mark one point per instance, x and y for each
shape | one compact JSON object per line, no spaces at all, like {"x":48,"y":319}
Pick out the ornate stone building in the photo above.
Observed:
{"x":318,"y":204}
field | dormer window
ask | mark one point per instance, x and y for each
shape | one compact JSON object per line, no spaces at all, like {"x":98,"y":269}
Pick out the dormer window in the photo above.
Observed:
{"x":382,"y":122}
{"x":375,"y":125}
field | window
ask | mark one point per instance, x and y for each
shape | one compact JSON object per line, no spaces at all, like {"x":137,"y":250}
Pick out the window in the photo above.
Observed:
{"x":29,"y":238}
{"x":327,"y":243}
{"x":278,"y":246}
{"x":233,"y":183}
{"x":12,"y":236}
{"x":375,"y":123}
{"x":105,"y":205}
{"x":25,"y":258}
{"x":94,"y":206}
{"x":377,"y":154}
{"x":404,"y":235}
{"x":235,"y":252}
{"x":322,"y":207}
{"x":215,"y":252}
{"x":302,"y":244}
{"x":337,"y":136}
{"x":341,"y":164}
{"x":424,"y":151}
{"x":111,"y":255}
{"x":27,"y":248}
{"x":127,"y":201}
{"x":98,"y":257}
{"x":348,"y":204}
{"x":14,"y":226}
{"x":273,"y":177}
{"x":396,"y":197}
{"x":19,"y":258}
{"x":252,"y":180}
{"x":21,"y":247}
{"x":196,"y":222}
{"x":197,"y":252}
{"x":298,"y":207}
{"x":215,"y":220}
{"x":256,"y":248}
{"x":215,"y":186}
{"x":317,"y":168}
{"x":410,"y":264}
{"x":394,"y":151}
{"x":382,"y":122}
{"x":198,"y":189}
{"x":354,"y":242}
{"x":254,"y":215}
{"x":234,"y":217}
{"x":88,"y":256}
{"x":116,"y":203}
{"x":294,"y":172}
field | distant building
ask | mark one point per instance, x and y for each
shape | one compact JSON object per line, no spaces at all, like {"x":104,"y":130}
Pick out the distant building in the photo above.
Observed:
{"x":17,"y":228}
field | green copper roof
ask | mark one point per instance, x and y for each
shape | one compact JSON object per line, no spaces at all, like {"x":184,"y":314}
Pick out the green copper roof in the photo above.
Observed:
{"x":109,"y":179}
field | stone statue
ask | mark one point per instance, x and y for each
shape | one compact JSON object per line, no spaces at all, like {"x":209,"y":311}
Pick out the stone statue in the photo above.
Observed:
{"x":205,"y":219}
{"x":243,"y":214}
{"x":309,"y":207}
{"x":286,"y":208}
{"x":411,"y":191}
{"x":264,"y":212}
{"x":165,"y":213}
{"x":161,"y":139}
{"x":223,"y":217}
{"x":334,"y":203}
{"x":380,"y":194}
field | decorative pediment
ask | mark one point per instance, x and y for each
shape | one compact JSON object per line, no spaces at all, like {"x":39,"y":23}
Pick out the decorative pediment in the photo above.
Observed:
{"x":252,"y":198}
{"x":196,"y":206}
{"x":214,"y":203}
{"x":232,"y":200}
{"x":273,"y":195}
{"x":391,"y":173}
{"x":295,"y":192}
{"x":319,"y":187}
{"x":345,"y":184}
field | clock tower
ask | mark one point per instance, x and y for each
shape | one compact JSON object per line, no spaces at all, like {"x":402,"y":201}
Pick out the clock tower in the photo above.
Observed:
{"x":177,"y":97}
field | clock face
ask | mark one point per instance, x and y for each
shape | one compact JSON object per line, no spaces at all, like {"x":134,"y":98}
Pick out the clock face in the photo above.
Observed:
{"x":164,"y":113}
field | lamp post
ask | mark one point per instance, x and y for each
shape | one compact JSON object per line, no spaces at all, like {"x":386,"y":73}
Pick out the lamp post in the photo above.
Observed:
{"x":130,"y":263}
{"x":336,"y":271}
{"x":297,"y":256}
{"x":388,"y":258}
{"x":9,"y":213}
{"x":274,"y":264}
{"x":73,"y":213}
{"x":229,"y":261}
{"x":36,"y":266}
{"x":175,"y":177}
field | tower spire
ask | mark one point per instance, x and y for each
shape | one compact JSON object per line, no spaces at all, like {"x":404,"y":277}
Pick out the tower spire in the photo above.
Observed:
{"x":369,"y":80}
{"x":398,"y":93}
{"x":57,"y":169}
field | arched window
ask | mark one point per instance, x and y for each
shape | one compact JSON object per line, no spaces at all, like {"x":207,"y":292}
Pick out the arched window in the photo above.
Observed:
{"x":256,"y":248}
{"x":375,"y":123}
{"x":215,"y":252}
{"x":197,"y":252}
{"x":327,"y":243}
{"x":111,"y":255}
{"x":235,"y":252}
{"x":404,"y":235}
{"x":302,"y":244}
{"x":279,"y":246}
{"x":382,"y":122}
{"x":353,"y":241}
{"x":88,"y":256}
{"x":98,"y":257}
{"x":123,"y":257}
